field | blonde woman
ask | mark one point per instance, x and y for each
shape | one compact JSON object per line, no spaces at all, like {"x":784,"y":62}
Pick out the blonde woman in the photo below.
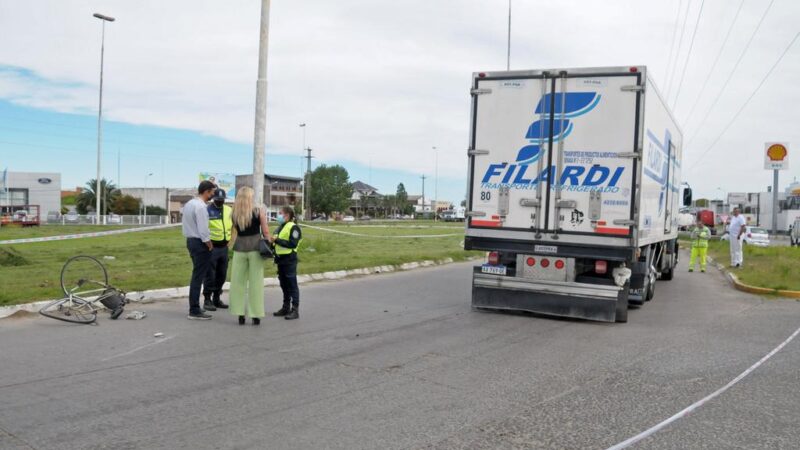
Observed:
{"x":247,"y":274}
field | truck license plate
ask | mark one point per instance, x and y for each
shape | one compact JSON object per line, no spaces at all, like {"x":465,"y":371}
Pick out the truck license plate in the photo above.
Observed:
{"x":495,"y":270}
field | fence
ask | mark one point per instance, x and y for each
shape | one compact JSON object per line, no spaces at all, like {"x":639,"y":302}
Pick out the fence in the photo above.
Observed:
{"x":111,"y":219}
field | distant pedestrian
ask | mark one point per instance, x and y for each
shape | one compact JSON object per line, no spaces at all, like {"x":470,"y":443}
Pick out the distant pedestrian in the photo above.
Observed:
{"x":198,"y":242}
{"x":735,"y":232}
{"x":700,"y":236}
{"x":247,"y":273}
{"x":286,"y":240}
{"x":220,"y":224}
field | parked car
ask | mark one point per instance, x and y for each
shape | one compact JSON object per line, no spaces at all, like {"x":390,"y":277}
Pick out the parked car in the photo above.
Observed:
{"x":365,"y":217}
{"x":756,"y":236}
{"x":115,"y":219}
{"x":348,"y":219}
{"x":72,"y":217}
{"x":53,"y":217}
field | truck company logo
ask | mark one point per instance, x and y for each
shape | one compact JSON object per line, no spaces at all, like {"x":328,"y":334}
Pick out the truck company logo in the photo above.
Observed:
{"x":573,"y":177}
{"x":656,"y":165}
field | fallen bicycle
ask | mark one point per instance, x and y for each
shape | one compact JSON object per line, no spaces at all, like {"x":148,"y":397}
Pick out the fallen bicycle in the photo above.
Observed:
{"x":84,"y":281}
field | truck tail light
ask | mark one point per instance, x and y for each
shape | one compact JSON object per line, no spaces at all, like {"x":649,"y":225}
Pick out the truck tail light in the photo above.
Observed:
{"x":531,"y":262}
{"x":545,"y":262}
{"x":559,"y":264}
{"x":601,"y":267}
{"x":494,"y":258}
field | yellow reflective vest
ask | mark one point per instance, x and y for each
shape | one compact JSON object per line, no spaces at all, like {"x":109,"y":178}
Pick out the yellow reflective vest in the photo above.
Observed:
{"x":700,"y":237}
{"x":289,"y":232}
{"x":220,"y":223}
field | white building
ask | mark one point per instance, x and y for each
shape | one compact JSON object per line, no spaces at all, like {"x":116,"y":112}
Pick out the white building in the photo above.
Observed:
{"x":42,"y":189}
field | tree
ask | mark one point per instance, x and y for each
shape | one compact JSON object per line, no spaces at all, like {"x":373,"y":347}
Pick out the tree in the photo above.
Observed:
{"x":389,"y":204}
{"x":463,"y":203}
{"x":86,"y":200}
{"x":126,"y":205}
{"x":153,"y":210}
{"x":701,"y":202}
{"x":401,"y":199}
{"x":330,"y":189}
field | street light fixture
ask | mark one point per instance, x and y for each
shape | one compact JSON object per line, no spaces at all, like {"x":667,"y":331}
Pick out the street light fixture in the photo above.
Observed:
{"x":99,"y":193}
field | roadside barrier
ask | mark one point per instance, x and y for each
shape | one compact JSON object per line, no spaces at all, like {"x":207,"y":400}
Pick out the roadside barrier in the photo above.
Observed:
{"x":350,"y":233}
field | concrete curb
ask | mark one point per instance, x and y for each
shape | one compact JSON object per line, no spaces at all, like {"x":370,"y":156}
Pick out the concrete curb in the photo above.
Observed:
{"x":183,"y":291}
{"x":738,"y":285}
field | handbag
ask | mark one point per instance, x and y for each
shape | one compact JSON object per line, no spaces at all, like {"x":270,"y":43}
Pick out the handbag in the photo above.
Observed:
{"x":265,"y":249}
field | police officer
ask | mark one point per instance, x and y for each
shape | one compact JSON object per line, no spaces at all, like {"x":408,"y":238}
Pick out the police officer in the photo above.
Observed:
{"x":220,"y":224}
{"x":700,"y":236}
{"x":286,"y":240}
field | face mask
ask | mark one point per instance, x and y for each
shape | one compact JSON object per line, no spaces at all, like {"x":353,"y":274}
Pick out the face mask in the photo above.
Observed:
{"x":219,"y":203}
{"x":281,"y":219}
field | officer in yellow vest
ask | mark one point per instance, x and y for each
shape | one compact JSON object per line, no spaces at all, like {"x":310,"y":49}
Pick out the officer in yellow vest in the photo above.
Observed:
{"x":286,"y":240}
{"x":700,"y":236}
{"x":220,"y":225}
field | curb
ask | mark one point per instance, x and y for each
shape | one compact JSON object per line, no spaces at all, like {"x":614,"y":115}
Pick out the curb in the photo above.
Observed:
{"x":738,"y":285}
{"x":154,"y":295}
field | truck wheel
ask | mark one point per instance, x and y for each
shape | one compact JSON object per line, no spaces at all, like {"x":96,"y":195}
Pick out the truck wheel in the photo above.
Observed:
{"x":622,"y":304}
{"x":651,"y":291}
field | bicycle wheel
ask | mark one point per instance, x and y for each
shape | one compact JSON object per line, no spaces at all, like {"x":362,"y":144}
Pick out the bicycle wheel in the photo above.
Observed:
{"x":83,"y":276}
{"x":76,"y":310}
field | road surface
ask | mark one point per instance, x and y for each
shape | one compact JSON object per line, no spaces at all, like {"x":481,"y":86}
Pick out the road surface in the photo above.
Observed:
{"x":400,"y":361}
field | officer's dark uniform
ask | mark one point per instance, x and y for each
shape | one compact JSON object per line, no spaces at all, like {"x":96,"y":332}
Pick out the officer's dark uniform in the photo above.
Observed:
{"x":220,"y":223}
{"x":288,"y":237}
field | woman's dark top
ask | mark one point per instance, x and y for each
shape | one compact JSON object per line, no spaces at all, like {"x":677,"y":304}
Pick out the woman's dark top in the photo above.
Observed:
{"x":253,"y":229}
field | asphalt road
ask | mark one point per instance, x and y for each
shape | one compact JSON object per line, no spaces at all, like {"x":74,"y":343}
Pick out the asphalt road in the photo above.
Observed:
{"x":400,"y":361}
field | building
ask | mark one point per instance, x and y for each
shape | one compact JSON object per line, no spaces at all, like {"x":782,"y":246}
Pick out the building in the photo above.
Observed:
{"x":279,"y":190}
{"x":151,"y":196}
{"x":757,"y":207}
{"x":21,"y":189}
{"x":365,"y":199}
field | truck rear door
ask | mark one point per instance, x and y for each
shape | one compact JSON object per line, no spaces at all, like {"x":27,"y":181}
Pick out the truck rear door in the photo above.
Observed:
{"x":554,"y":152}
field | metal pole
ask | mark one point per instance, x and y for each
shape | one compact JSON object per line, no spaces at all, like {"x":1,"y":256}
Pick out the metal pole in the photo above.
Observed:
{"x":423,"y":195}
{"x":261,"y":106}
{"x":436,"y":186}
{"x":308,"y":186}
{"x":98,"y":194}
{"x":508,"y":49}
{"x":774,"y":202}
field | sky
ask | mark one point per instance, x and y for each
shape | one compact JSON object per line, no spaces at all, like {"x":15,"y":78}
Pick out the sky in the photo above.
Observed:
{"x":379,"y":83}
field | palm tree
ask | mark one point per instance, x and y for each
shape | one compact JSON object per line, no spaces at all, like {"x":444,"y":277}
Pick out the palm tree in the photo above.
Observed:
{"x":87,"y":199}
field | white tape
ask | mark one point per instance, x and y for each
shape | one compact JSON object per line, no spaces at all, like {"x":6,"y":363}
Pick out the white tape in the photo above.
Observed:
{"x":349,"y":233}
{"x":64,"y":237}
{"x":689,"y":409}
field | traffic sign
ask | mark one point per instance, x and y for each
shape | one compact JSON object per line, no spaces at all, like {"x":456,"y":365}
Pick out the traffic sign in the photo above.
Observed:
{"x":776,"y":156}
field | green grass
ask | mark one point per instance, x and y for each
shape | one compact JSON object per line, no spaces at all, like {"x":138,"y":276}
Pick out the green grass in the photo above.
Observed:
{"x":9,"y":232}
{"x":158,"y":259}
{"x":770,"y":267}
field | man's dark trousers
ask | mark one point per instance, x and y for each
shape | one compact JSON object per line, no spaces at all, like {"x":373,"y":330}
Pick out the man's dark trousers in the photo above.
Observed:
{"x":217,"y":272}
{"x":201,"y":259}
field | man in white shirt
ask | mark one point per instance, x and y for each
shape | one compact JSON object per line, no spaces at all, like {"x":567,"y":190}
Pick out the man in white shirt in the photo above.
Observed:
{"x":198,"y":242}
{"x":735,"y":231}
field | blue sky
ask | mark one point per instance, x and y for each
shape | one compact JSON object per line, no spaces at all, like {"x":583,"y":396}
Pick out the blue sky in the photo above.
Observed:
{"x":34,"y":139}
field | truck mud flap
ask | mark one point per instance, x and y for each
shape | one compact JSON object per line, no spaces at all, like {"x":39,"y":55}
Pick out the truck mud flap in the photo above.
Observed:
{"x":574,"y":300}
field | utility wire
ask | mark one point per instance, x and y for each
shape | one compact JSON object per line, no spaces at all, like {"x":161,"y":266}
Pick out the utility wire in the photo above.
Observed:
{"x":730,"y":75}
{"x":674,"y":35}
{"x":677,"y":54}
{"x":688,"y":55}
{"x":753,"y":94}
{"x":714,"y":64}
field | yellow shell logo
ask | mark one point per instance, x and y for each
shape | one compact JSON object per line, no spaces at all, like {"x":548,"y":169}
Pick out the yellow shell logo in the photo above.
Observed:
{"x":776,"y":152}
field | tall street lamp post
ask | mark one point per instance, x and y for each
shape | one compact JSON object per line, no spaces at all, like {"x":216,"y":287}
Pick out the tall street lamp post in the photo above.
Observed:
{"x":99,"y":193}
{"x":144,"y":196}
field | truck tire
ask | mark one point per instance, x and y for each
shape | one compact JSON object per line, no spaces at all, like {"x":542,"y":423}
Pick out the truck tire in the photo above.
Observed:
{"x":668,"y":274}
{"x":651,"y":291}
{"x":622,"y":305}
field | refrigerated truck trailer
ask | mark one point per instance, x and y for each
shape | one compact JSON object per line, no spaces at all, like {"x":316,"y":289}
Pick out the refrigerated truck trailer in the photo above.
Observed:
{"x":574,"y":190}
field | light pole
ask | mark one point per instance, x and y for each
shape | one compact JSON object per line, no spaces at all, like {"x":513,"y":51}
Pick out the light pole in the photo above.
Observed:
{"x":99,"y":193}
{"x":144,"y":196}
{"x":259,"y":140}
{"x":508,"y":47}
{"x":436,"y":186}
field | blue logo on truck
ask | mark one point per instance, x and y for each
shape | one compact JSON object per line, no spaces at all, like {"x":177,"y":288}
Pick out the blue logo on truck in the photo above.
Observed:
{"x":573,"y":177}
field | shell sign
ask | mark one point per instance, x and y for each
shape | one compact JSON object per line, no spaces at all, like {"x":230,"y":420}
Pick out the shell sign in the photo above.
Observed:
{"x":776,"y":156}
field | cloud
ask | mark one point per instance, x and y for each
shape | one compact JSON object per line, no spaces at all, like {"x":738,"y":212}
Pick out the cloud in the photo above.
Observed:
{"x":381,"y":82}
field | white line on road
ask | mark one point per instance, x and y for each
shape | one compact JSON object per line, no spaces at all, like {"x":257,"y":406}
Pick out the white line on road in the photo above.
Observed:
{"x":689,"y":409}
{"x":142,"y":347}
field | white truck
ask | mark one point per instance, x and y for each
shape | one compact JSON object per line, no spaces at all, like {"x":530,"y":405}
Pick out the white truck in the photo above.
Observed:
{"x":574,"y":186}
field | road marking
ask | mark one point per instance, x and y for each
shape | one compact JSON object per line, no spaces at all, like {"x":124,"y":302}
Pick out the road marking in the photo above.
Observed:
{"x":689,"y":409}
{"x":141,"y":347}
{"x":64,"y":237}
{"x":349,"y":233}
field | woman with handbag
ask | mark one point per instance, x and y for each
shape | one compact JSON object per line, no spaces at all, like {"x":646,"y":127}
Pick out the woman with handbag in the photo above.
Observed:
{"x":250,"y":228}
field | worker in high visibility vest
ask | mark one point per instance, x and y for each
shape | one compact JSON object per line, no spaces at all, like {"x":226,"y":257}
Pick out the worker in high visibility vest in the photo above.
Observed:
{"x":286,"y":240}
{"x":699,"y":237}
{"x":220,"y":224}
